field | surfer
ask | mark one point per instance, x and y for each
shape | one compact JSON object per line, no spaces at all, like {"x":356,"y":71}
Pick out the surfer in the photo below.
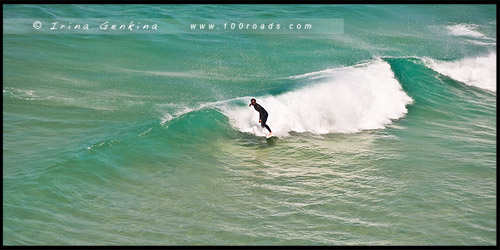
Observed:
{"x":263,"y":114}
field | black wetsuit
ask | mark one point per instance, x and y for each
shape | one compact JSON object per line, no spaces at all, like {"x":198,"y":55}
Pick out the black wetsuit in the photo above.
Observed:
{"x":263,"y":116}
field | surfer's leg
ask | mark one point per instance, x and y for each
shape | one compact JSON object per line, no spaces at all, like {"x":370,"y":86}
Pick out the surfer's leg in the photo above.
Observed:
{"x":263,"y":124}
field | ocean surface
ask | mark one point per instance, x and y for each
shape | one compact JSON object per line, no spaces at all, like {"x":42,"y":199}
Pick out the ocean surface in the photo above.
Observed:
{"x":386,"y":129}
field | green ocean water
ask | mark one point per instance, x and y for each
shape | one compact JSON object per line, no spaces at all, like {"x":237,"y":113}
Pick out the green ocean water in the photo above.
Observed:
{"x":386,"y":132}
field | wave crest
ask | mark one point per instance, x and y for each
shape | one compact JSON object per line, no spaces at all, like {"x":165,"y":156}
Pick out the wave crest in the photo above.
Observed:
{"x":342,"y":100}
{"x":480,"y":71}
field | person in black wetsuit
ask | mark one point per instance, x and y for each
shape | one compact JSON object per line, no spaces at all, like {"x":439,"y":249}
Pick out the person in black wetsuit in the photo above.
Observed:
{"x":263,"y":114}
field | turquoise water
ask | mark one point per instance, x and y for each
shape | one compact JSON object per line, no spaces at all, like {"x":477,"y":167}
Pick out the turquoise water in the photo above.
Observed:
{"x":386,"y":132}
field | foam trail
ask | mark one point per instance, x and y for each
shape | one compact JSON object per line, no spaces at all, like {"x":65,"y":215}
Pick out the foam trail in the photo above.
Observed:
{"x":465,"y":29}
{"x":482,"y":43}
{"x":478,"y":71}
{"x":342,"y":100}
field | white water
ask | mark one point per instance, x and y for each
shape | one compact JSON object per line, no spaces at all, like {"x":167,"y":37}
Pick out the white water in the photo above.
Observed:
{"x":478,"y":71}
{"x":465,"y":29}
{"x":341,"y":100}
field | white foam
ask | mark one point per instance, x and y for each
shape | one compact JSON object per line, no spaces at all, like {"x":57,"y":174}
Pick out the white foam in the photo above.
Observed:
{"x":482,"y":43}
{"x":23,"y":94}
{"x":341,"y":100}
{"x":478,"y":71}
{"x":465,"y":29}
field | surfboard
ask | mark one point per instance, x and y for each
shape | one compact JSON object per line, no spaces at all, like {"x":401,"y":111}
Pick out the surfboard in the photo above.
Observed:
{"x":273,"y":135}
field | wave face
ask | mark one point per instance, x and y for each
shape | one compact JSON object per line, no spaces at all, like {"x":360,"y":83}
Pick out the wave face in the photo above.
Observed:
{"x":478,"y":71}
{"x":341,"y":100}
